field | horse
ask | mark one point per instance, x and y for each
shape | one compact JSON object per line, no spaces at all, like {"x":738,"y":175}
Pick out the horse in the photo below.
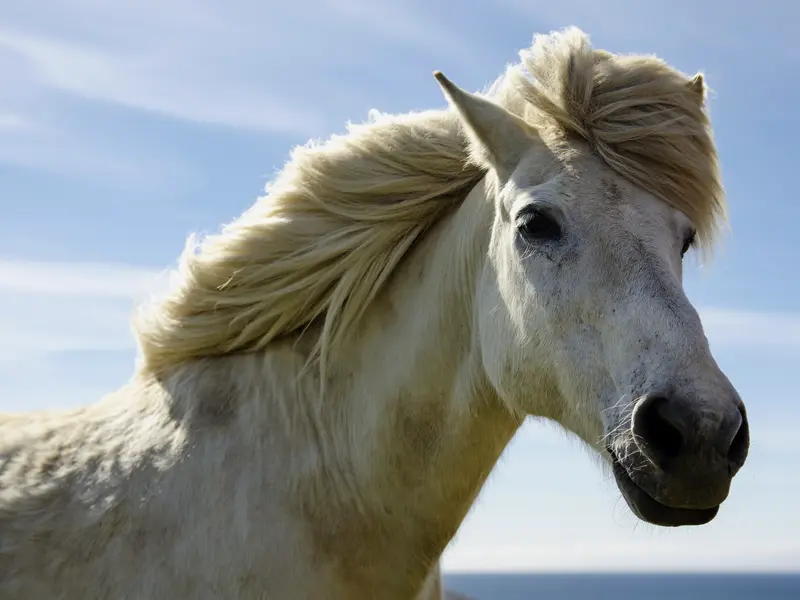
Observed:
{"x":323,"y":390}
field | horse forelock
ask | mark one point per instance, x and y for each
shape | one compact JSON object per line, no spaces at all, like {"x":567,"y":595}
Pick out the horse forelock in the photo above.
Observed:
{"x":643,"y":118}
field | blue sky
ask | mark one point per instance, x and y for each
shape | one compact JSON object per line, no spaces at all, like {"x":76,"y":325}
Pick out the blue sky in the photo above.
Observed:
{"x":126,"y":125}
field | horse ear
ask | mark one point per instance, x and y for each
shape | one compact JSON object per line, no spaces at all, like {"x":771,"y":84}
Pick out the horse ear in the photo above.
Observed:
{"x":697,"y":84}
{"x":498,"y":139}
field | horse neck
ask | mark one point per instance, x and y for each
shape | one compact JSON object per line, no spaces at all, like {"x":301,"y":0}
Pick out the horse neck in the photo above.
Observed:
{"x":410,"y":419}
{"x":385,"y":465}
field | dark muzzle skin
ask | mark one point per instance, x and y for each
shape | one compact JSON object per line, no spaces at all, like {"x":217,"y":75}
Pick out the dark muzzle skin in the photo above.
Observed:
{"x":675,"y":464}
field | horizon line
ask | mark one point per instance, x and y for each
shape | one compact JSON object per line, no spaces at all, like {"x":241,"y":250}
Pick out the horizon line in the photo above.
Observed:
{"x":647,"y":571}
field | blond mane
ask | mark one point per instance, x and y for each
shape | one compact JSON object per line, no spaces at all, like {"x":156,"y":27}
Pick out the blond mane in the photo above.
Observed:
{"x":341,"y":215}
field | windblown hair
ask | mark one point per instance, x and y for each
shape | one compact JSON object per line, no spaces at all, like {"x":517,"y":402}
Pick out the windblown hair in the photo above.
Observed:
{"x":341,"y":215}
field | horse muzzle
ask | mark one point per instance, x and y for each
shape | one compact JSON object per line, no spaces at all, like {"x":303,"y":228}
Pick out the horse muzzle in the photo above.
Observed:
{"x":675,"y":464}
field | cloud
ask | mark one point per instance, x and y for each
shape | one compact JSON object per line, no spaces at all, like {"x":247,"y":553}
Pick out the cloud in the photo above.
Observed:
{"x":50,"y":308}
{"x":201,"y":62}
{"x":150,"y":83}
{"x":727,"y":327}
{"x":10,"y":122}
{"x":252,"y":69}
{"x":182,"y":60}
{"x":645,"y":555}
{"x":32,"y":326}
{"x":260,"y":67}
{"x":78,"y":279}
{"x":31,"y":144}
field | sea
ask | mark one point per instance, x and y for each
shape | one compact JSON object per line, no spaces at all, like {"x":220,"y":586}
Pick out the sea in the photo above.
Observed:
{"x":625,"y":587}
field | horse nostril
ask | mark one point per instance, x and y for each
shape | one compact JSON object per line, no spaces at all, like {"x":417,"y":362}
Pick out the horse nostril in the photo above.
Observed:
{"x":737,"y":451}
{"x":657,"y":425}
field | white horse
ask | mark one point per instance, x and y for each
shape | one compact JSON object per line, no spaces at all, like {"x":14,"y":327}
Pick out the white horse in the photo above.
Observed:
{"x":326,"y":387}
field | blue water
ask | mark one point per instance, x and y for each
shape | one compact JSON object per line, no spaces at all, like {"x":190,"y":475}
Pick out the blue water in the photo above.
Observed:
{"x":625,"y":587}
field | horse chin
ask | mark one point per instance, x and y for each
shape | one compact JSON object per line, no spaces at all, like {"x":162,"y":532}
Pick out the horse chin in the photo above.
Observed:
{"x":652,"y":511}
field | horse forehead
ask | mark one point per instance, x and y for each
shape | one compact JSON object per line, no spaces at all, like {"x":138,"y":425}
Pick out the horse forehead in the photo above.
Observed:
{"x":609,"y":198}
{"x":596,"y":192}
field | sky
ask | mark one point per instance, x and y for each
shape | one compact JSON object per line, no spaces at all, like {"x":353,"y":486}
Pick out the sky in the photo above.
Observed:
{"x":125,"y":125}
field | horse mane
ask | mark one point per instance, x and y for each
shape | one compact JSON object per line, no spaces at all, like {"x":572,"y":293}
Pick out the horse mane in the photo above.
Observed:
{"x":341,"y":215}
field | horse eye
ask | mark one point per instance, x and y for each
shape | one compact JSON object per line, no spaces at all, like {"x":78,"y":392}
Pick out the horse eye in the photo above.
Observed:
{"x":688,"y":243}
{"x":536,"y":225}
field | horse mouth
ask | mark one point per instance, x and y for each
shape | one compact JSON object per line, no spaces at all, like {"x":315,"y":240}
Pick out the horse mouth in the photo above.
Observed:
{"x":651,"y":510}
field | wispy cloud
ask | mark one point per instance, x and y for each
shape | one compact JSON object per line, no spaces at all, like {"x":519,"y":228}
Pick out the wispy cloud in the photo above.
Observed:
{"x":203,"y":62}
{"x":728,"y":327}
{"x":10,"y":122}
{"x":32,"y":326}
{"x":259,"y":68}
{"x":78,"y":279}
{"x":151,"y":83}
{"x":68,"y":307}
{"x":35,"y":144}
{"x":645,"y":555}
